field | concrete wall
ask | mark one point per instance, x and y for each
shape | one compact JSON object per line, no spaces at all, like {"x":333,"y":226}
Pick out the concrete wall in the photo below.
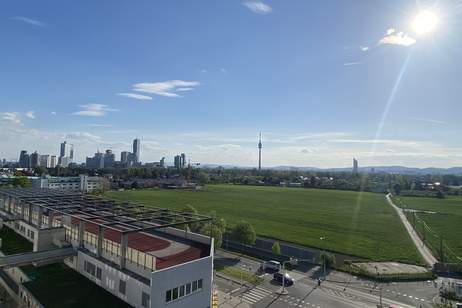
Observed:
{"x":167,"y":279}
{"x":110,"y":279}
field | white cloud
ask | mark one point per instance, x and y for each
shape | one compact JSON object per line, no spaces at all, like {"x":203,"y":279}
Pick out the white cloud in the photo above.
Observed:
{"x":400,"y":39}
{"x":433,"y":121}
{"x":136,"y":96}
{"x":30,"y":114}
{"x":166,"y":88}
{"x":258,"y":7}
{"x":29,"y":21}
{"x":351,"y":63}
{"x":53,"y":113}
{"x":364,"y":48}
{"x":99,"y":125}
{"x":14,"y":117}
{"x":83,"y":136}
{"x":391,"y":31}
{"x":93,"y":110}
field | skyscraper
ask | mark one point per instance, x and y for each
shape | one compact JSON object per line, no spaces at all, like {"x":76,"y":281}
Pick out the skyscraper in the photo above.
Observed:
{"x":34,"y":160}
{"x":136,"y":151}
{"x":355,"y":166}
{"x":66,"y":154}
{"x":259,"y":153}
{"x":24,"y":159}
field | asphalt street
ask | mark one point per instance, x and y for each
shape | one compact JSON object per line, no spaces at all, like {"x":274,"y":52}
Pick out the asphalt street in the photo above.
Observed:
{"x":339,"y":290}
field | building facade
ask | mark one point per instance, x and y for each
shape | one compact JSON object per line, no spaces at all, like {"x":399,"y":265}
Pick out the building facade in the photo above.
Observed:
{"x":83,"y":183}
{"x":146,"y":262}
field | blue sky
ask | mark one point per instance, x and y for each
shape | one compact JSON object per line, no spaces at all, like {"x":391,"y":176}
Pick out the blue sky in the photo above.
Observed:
{"x":324,"y":81}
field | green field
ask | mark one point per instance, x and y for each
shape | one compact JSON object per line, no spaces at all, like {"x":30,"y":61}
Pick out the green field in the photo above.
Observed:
{"x":357,"y":224}
{"x":445,"y":222}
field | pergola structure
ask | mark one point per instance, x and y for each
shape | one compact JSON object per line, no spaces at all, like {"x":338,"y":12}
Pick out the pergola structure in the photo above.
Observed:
{"x":133,"y":217}
{"x":122,"y":217}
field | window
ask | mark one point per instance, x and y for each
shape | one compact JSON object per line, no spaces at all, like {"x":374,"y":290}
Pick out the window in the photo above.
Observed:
{"x":122,"y":286}
{"x":32,"y":234}
{"x":181,"y":291}
{"x":194,"y":286}
{"x":168,"y":296}
{"x":98,"y":273}
{"x":144,"y":299}
{"x":188,"y":288}
{"x":175,"y":294}
{"x":199,"y":284}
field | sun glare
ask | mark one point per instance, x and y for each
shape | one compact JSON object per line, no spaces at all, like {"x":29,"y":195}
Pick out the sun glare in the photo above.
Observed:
{"x":425,"y":22}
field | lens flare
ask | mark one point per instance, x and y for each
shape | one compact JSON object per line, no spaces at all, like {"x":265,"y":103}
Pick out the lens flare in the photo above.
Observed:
{"x":425,"y":22}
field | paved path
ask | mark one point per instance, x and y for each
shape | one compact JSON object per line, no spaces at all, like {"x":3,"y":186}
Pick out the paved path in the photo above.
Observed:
{"x":424,"y":251}
{"x":30,"y":257}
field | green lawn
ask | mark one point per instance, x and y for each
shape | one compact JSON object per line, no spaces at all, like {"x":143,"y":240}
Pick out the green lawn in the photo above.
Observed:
{"x":13,"y":243}
{"x":57,"y":285}
{"x":352,"y":223}
{"x":447,"y":222}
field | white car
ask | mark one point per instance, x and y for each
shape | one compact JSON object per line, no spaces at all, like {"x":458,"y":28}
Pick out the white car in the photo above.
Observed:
{"x":271,"y":265}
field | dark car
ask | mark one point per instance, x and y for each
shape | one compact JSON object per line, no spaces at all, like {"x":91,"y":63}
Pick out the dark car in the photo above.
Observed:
{"x":288,"y":281}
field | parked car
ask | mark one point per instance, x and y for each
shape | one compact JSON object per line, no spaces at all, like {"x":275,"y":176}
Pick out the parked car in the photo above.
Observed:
{"x":288,"y":281}
{"x":274,"y":266}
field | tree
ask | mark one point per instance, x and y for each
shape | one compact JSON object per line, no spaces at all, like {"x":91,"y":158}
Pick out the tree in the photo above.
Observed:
{"x":215,"y":228}
{"x":328,"y":258}
{"x":190,"y":211}
{"x":22,"y":182}
{"x":244,"y":233}
{"x":440,"y":194}
{"x":40,"y":170}
{"x":276,"y":248}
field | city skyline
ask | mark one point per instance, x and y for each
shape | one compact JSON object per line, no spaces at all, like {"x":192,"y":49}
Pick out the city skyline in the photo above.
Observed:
{"x":180,"y":95}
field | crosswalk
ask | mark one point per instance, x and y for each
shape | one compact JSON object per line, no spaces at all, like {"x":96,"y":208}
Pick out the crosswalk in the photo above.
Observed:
{"x":255,"y":295}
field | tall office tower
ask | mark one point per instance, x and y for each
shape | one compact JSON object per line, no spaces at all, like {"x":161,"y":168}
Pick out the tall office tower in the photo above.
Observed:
{"x":177,"y":161}
{"x":95,"y":162}
{"x":259,"y":153}
{"x":24,"y":159}
{"x":162,"y":162}
{"x":34,"y":160}
{"x":44,"y":161}
{"x":64,"y":149}
{"x":183,"y":160}
{"x":53,"y":161}
{"x":355,"y":166}
{"x":109,"y":159}
{"x":136,"y":151}
{"x":124,"y":156}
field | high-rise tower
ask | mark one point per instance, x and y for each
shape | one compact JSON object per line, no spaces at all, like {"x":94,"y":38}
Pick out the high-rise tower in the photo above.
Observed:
{"x":136,"y":151}
{"x":259,"y":154}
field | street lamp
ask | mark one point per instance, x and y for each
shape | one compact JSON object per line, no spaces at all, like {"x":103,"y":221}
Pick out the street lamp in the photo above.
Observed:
{"x":380,"y":288}
{"x":322,"y":238}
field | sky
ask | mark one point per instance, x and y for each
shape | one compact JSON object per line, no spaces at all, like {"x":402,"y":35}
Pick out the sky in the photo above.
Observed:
{"x":324,"y":81}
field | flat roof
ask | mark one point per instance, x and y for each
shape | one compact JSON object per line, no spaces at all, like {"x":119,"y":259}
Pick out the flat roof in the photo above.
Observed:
{"x":124,"y":217}
{"x":143,"y":225}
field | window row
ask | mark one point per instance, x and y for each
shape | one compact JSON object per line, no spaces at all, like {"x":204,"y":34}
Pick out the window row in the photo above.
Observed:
{"x":183,"y":290}
{"x":134,"y":256}
{"x":92,"y":269}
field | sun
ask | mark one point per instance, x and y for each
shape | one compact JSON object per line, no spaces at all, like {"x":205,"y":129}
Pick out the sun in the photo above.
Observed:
{"x":425,"y":22}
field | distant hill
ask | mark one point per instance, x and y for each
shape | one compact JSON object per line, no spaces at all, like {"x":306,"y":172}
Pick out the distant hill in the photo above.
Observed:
{"x":376,"y":169}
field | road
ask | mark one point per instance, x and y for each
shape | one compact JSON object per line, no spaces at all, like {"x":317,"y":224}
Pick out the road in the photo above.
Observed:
{"x":339,"y":290}
{"x":424,"y":251}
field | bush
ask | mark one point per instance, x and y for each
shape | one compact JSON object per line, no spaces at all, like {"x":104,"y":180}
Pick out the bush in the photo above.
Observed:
{"x":243,"y":233}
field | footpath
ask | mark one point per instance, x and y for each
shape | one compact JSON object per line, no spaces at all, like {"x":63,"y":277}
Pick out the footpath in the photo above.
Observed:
{"x":423,"y":249}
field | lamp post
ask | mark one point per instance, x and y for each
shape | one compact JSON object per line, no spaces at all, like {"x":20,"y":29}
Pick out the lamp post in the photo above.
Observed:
{"x":380,"y":288}
{"x":322,"y":238}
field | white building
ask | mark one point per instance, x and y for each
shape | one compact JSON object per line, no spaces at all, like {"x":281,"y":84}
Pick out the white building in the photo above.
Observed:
{"x":83,"y":183}
{"x":140,"y":258}
{"x":45,"y":161}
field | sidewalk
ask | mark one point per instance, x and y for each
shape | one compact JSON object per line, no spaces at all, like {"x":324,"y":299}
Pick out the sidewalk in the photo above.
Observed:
{"x":229,"y":301}
{"x":420,"y":245}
